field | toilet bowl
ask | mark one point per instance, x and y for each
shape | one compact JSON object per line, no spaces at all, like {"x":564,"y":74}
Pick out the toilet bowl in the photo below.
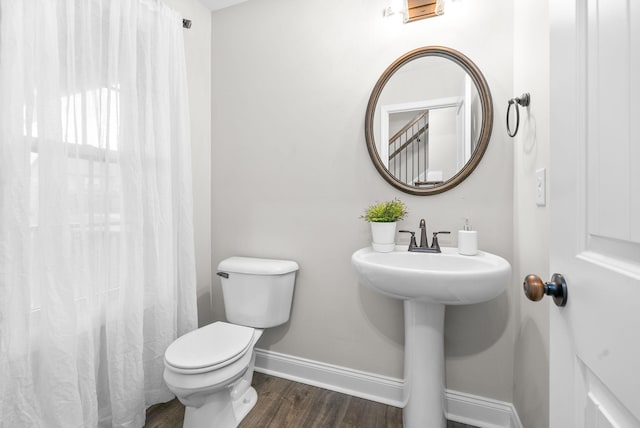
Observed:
{"x":213,"y":382}
{"x":210,"y":369}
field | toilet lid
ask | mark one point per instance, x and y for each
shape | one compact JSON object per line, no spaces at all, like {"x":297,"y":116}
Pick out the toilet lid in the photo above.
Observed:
{"x":215,"y":344}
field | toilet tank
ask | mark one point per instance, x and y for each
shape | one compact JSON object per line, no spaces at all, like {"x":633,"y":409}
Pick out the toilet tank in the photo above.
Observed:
{"x":257,"y":292}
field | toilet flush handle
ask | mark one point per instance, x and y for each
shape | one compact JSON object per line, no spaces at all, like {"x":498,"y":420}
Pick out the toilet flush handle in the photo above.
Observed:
{"x":223,"y":274}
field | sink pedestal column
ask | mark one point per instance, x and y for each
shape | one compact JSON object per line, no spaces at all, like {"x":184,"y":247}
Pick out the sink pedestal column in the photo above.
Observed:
{"x":424,"y":365}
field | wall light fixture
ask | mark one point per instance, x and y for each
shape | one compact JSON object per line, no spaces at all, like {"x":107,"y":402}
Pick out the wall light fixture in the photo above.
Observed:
{"x":413,"y":10}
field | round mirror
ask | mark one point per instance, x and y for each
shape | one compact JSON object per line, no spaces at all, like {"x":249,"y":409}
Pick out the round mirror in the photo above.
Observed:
{"x":429,"y":120}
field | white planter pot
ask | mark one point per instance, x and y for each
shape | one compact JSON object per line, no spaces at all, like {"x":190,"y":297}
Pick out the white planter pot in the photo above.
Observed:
{"x":384,"y":236}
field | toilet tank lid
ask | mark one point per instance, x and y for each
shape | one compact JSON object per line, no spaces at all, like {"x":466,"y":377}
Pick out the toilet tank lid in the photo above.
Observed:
{"x":255,"y":266}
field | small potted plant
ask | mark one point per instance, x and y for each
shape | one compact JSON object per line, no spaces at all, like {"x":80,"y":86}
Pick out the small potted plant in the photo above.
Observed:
{"x":383,"y":217}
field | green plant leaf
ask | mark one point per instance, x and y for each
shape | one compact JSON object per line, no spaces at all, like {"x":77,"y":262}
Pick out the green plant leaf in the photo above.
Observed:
{"x":385,"y":212}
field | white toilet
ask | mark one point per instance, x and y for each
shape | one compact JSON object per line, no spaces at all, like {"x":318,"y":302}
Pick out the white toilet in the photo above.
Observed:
{"x":210,"y":369}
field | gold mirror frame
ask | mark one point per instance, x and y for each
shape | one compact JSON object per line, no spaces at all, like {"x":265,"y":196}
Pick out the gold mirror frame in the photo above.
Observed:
{"x":485,"y":131}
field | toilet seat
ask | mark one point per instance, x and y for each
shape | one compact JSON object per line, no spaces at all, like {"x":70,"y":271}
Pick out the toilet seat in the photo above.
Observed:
{"x":209,"y":348}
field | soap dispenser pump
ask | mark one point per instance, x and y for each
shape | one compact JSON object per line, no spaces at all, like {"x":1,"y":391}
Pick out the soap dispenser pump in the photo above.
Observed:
{"x":467,"y":240}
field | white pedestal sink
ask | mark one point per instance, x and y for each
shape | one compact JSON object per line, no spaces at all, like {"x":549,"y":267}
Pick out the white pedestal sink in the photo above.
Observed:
{"x":427,"y":282}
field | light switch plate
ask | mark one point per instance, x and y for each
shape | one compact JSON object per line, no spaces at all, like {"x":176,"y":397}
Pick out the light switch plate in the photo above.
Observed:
{"x":541,"y":187}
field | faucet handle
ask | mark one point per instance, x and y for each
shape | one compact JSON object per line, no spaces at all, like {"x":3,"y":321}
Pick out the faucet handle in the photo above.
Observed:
{"x":434,"y":241}
{"x":412,"y":242}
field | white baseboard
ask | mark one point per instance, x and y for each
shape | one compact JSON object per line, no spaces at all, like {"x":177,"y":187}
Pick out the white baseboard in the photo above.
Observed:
{"x":361,"y":384}
{"x":481,"y":411}
{"x":466,"y":408}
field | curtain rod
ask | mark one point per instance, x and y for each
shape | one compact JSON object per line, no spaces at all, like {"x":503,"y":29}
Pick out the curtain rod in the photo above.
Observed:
{"x":186,"y":23}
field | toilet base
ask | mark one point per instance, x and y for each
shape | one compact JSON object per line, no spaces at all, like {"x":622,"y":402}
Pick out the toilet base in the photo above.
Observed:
{"x":221,"y":411}
{"x":244,"y":404}
{"x":217,"y":412}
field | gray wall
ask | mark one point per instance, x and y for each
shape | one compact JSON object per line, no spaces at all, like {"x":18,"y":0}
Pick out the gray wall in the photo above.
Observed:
{"x":291,"y":174}
{"x":334,"y":319}
{"x":531,"y":231}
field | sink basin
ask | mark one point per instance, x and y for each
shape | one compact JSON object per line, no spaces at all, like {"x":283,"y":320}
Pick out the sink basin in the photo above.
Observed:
{"x":447,"y":277}
{"x":427,"y":282}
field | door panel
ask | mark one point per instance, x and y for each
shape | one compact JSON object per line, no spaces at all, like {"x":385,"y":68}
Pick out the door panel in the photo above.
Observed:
{"x":595,"y":179}
{"x":611,"y":76}
{"x":602,"y":408}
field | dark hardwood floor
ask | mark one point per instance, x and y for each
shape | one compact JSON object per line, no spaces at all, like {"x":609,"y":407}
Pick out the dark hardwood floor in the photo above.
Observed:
{"x":286,"y":404}
{"x":291,"y":404}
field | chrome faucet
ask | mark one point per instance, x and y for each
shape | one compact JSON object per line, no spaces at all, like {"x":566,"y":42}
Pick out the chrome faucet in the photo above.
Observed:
{"x":424,"y":245}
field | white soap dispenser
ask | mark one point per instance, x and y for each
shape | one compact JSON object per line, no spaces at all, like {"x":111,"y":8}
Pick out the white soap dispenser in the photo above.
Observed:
{"x":467,"y":240}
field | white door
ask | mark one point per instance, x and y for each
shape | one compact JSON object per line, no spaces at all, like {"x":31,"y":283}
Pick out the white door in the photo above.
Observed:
{"x":595,"y":203}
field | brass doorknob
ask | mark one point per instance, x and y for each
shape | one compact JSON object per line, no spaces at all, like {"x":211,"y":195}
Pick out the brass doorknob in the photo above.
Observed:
{"x":535,"y":289}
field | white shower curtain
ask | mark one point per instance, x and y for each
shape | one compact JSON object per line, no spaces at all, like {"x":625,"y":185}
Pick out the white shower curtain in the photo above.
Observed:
{"x":97,"y":267}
